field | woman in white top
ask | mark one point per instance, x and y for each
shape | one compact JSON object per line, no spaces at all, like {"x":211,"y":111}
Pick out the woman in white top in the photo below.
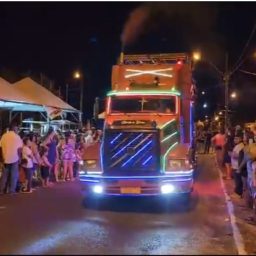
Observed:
{"x":27,"y":163}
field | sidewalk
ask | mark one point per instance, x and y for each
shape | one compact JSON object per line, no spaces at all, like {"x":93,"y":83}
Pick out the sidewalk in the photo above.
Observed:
{"x":243,"y":216}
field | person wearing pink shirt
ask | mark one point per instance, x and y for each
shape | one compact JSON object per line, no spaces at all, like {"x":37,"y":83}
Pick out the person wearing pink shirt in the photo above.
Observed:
{"x":219,"y":141}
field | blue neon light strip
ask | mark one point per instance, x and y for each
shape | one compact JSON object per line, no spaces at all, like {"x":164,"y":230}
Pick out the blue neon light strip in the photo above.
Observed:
{"x":87,"y":180}
{"x":167,"y":152}
{"x":122,"y":149}
{"x":137,"y":153}
{"x":147,"y":160}
{"x":167,"y":123}
{"x":169,"y":136}
{"x":189,"y":177}
{"x":142,"y":156}
{"x":117,"y":146}
{"x":120,"y":134}
{"x":121,"y":158}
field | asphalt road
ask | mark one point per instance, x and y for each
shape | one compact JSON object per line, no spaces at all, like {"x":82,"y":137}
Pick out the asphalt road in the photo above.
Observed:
{"x":54,"y":221}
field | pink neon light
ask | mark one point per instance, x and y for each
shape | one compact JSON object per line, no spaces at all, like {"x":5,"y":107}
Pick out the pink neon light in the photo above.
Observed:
{"x":108,"y":104}
{"x":158,"y":72}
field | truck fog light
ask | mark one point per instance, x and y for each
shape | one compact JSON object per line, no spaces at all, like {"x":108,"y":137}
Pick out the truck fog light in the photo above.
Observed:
{"x":167,"y":188}
{"x":97,"y":189}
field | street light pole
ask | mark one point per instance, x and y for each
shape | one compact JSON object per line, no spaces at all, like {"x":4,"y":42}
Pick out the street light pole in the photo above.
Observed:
{"x":67,"y":92}
{"x":81,"y":93}
{"x":79,"y":76}
{"x":226,"y":79}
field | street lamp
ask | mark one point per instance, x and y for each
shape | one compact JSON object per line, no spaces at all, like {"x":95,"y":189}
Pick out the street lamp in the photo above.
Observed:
{"x":205,"y":105}
{"x":233,"y":95}
{"x":203,"y":92}
{"x":78,"y":76}
{"x":196,"y":56}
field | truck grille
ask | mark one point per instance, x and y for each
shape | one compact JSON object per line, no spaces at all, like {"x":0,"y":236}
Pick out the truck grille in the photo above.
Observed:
{"x":131,"y":152}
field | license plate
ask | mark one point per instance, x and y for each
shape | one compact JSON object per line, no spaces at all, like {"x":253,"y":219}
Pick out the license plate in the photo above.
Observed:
{"x":135,"y":190}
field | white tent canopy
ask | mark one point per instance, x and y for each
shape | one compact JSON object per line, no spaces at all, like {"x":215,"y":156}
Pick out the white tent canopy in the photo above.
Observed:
{"x":10,"y":98}
{"x":38,"y":95}
{"x":14,"y":106}
{"x":8,"y":93}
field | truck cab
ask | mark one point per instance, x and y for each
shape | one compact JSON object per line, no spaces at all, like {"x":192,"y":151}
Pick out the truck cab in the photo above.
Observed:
{"x":147,"y":145}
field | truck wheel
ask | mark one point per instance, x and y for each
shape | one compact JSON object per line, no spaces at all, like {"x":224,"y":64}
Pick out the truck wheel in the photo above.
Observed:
{"x":186,"y":197}
{"x":186,"y":200}
{"x":89,"y":201}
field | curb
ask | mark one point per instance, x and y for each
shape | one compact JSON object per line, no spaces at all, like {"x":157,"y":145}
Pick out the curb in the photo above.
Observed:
{"x":239,"y":242}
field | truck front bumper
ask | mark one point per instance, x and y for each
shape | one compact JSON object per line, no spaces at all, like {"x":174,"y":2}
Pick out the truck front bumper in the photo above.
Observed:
{"x":171,"y":183}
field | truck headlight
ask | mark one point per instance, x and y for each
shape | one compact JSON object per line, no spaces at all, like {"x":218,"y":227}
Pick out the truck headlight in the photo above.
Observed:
{"x":97,"y":189}
{"x":167,"y":189}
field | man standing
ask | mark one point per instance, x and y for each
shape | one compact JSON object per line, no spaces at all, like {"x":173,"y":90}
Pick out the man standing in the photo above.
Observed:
{"x":239,"y":145}
{"x":11,"y":145}
{"x":207,"y":145}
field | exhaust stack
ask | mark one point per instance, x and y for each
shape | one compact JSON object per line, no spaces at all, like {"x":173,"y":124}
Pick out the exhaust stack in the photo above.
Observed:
{"x":122,"y":57}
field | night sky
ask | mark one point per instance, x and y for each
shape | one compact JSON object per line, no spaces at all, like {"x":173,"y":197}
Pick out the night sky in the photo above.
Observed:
{"x":58,"y":38}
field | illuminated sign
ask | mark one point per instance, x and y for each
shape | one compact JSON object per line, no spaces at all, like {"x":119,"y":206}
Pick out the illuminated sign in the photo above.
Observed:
{"x":132,"y":122}
{"x":166,"y":72}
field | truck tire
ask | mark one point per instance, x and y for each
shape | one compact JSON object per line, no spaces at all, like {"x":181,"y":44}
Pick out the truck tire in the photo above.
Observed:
{"x":186,"y":201}
{"x":186,"y":197}
{"x":90,"y":201}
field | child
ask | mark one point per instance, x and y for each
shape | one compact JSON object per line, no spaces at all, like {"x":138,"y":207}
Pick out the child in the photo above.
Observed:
{"x":27,"y":163}
{"x":45,"y":167}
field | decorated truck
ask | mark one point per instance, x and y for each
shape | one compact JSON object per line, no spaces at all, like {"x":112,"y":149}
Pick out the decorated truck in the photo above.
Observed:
{"x":147,"y":147}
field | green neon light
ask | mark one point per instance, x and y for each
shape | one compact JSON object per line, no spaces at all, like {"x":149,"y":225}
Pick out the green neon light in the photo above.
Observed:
{"x":169,"y":136}
{"x":162,"y":127}
{"x":165,"y":155}
{"x":144,"y":92}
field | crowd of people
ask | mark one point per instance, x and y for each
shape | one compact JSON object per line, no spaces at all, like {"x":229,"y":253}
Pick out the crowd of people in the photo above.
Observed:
{"x":235,"y":151}
{"x":29,"y":160}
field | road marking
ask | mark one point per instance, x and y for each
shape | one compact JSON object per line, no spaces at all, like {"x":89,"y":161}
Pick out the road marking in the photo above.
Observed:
{"x":2,"y":207}
{"x":239,"y":241}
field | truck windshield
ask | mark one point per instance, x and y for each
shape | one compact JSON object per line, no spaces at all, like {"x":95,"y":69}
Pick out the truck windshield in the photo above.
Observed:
{"x":143,"y":104}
